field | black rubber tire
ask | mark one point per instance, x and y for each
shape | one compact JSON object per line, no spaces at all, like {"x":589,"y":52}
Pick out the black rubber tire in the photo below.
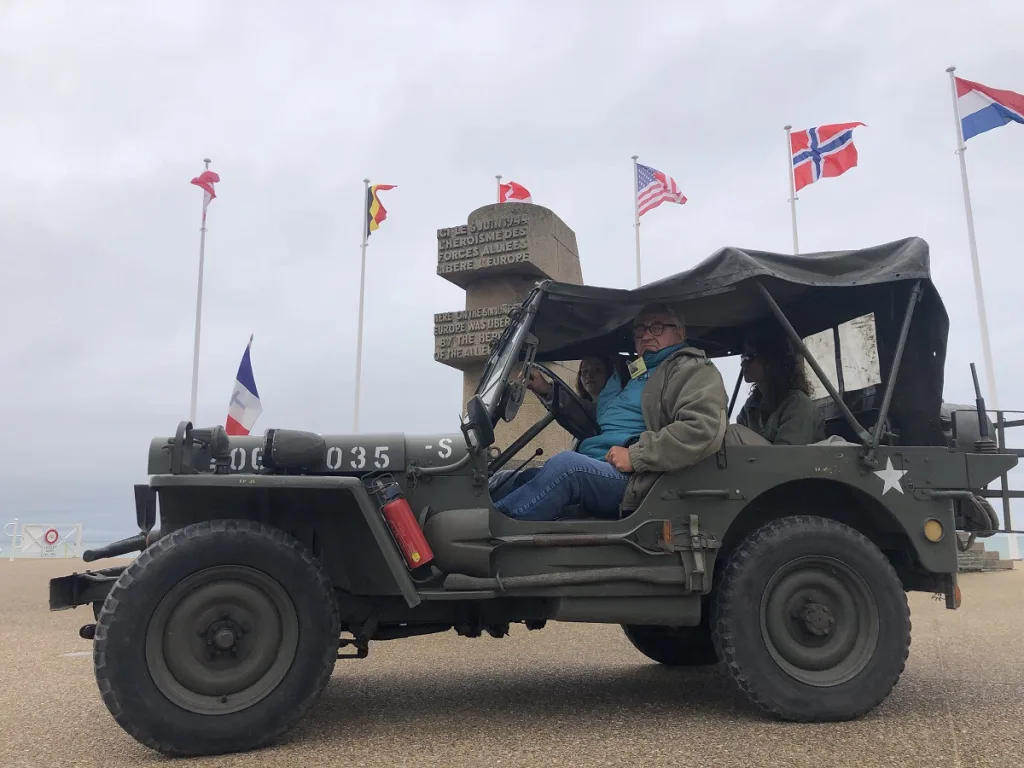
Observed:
{"x":739,"y":639}
{"x":120,"y":650}
{"x":673,"y":646}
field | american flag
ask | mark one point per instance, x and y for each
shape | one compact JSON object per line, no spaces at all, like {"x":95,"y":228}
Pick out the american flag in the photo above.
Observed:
{"x":654,"y":188}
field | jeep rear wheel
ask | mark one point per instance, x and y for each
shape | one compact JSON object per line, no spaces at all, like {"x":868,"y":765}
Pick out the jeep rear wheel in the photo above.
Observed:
{"x":218,"y":638}
{"x":811,"y":620}
{"x":673,"y":646}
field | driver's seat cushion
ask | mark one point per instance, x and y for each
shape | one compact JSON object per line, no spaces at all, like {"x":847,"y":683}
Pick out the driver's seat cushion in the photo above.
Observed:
{"x":460,"y":540}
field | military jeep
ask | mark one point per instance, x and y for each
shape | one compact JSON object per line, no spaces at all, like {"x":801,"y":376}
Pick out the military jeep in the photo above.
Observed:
{"x":264,"y":560}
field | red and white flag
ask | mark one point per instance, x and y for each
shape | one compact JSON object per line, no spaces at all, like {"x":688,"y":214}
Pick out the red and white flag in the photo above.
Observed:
{"x":205,"y":181}
{"x":514,"y":193}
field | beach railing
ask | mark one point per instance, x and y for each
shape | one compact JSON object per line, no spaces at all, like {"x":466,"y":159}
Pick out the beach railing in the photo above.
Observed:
{"x":47,"y":540}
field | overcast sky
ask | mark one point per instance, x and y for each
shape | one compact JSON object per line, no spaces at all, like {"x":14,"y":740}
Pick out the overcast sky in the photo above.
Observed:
{"x":109,"y":108}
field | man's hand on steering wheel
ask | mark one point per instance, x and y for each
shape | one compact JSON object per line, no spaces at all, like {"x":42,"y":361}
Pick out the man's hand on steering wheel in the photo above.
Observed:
{"x":577,"y":418}
{"x":537,"y":384}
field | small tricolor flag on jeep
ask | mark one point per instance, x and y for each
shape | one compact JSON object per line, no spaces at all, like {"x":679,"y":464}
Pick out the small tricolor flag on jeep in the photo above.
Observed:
{"x":245,"y":406}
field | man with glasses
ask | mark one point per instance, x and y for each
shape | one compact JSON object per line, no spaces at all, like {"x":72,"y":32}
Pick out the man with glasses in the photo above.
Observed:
{"x":672,"y":413}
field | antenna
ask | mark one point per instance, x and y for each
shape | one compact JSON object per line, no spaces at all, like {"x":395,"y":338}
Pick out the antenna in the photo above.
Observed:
{"x":984,"y":443}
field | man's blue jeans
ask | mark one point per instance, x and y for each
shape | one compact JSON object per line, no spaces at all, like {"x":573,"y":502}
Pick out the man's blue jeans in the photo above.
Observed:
{"x":566,"y":478}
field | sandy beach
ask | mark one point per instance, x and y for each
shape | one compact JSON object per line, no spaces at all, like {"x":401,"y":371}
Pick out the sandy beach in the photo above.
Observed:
{"x":568,"y":695}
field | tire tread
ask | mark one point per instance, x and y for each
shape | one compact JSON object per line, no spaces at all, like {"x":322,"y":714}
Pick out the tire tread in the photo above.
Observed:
{"x":723,"y":618}
{"x":129,"y":720}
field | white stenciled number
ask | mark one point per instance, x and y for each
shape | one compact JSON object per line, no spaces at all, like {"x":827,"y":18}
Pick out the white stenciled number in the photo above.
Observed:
{"x":360,"y":457}
{"x":333,"y":457}
{"x":238,"y":458}
{"x":257,"y":457}
{"x":380,"y":457}
{"x":446,"y":447}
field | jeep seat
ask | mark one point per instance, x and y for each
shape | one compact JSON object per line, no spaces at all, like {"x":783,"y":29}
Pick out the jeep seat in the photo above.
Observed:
{"x":865,"y":405}
{"x":461,"y":538}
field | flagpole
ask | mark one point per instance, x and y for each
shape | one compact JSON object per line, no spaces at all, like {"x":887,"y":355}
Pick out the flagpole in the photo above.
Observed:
{"x":978,"y":292}
{"x":498,"y":177}
{"x":362,"y":290}
{"x":636,"y":219}
{"x":199,"y":306}
{"x":792,"y":187}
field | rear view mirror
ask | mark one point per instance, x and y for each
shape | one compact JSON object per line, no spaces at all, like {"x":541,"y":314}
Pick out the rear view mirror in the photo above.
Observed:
{"x":477,"y":426}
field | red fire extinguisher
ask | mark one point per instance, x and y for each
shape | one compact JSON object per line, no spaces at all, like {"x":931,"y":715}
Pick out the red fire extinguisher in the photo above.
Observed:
{"x":400,"y":518}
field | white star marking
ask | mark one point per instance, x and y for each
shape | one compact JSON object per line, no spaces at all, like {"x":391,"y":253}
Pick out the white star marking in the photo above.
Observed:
{"x":890,"y":477}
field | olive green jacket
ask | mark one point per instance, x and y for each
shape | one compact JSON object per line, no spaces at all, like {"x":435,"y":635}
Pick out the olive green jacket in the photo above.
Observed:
{"x":794,"y":420}
{"x":685,"y":408}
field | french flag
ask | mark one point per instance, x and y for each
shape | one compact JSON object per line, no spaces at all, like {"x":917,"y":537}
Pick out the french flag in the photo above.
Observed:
{"x":245,"y":406}
{"x":983,"y":108}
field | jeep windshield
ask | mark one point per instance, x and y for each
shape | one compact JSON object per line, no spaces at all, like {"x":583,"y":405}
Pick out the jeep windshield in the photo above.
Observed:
{"x":505,"y":355}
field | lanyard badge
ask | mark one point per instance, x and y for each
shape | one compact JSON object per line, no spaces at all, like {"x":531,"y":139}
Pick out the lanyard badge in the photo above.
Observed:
{"x":637,"y":368}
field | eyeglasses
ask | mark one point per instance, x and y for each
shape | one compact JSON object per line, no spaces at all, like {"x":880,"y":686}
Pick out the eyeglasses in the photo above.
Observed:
{"x":656,"y":329}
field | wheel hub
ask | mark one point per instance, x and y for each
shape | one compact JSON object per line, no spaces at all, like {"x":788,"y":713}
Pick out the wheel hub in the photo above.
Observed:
{"x":819,"y":621}
{"x":817,"y":618}
{"x":221,"y":640}
{"x":223,"y":635}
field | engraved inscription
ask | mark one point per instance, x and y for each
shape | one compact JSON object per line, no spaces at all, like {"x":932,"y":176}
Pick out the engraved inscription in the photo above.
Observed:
{"x":483,"y":244}
{"x":468,"y":334}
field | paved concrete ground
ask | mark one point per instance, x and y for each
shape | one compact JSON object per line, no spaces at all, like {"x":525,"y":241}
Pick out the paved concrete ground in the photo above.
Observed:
{"x":571,"y":695}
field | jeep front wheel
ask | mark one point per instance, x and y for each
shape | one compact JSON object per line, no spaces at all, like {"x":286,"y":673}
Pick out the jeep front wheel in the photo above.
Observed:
{"x":673,"y":646}
{"x":216,"y":639}
{"x":811,"y":620}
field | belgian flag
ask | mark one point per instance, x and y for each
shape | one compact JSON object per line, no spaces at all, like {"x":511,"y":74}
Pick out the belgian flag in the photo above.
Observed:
{"x":375,"y":211}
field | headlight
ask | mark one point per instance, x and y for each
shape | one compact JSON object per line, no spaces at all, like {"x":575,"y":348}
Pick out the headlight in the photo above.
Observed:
{"x":293,"y":449}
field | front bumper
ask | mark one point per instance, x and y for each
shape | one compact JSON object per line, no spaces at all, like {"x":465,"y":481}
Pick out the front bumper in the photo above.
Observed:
{"x":82,"y":588}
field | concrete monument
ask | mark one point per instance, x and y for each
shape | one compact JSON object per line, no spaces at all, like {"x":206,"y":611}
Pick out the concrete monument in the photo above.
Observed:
{"x":497,"y":256}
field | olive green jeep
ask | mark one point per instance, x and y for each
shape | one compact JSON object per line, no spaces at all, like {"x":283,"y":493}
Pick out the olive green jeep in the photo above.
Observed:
{"x":275,"y":556}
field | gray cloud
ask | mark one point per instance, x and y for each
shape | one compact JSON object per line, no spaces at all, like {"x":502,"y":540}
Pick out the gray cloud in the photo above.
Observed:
{"x":109,"y":110}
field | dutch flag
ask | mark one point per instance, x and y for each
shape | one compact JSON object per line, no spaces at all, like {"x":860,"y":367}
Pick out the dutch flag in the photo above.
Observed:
{"x":983,"y":108}
{"x":245,"y":406}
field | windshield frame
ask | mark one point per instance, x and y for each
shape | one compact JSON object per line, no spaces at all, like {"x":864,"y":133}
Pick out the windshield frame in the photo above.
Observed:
{"x":494,"y":380}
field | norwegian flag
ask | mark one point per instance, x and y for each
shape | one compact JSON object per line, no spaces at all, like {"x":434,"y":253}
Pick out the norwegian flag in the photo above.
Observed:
{"x":654,"y":188}
{"x":514,"y":192}
{"x":205,"y":181}
{"x":822,"y":152}
{"x":245,"y":406}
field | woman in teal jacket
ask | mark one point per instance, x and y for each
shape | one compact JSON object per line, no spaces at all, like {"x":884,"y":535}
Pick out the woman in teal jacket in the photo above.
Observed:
{"x":599,"y":379}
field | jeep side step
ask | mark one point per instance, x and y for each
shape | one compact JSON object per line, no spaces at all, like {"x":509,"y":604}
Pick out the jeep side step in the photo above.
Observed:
{"x":656,"y":575}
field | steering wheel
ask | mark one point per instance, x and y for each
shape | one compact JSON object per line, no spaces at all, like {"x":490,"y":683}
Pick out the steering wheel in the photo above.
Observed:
{"x":572,"y":413}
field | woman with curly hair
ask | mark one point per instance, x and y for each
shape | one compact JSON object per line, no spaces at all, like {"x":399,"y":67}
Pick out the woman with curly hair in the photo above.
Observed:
{"x":779,"y":408}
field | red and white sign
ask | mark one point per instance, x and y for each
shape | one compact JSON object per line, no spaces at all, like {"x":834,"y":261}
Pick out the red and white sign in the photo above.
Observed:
{"x":45,"y":540}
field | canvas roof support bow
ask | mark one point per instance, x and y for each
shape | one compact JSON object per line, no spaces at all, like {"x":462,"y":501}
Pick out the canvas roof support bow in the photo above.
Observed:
{"x":795,"y":338}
